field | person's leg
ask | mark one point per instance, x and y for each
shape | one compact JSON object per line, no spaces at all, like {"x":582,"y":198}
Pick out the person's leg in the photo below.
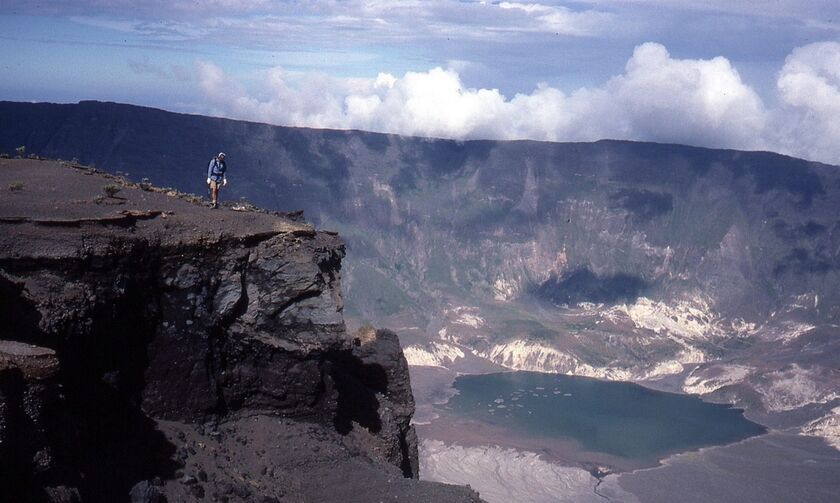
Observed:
{"x":214,"y":193}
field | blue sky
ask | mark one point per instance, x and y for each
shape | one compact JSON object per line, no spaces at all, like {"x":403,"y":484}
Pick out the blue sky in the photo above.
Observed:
{"x":755,"y":74}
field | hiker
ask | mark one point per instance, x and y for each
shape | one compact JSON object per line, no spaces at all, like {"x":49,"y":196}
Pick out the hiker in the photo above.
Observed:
{"x":216,"y":178}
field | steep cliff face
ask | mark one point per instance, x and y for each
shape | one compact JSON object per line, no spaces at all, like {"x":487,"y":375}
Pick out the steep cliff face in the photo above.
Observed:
{"x":170,"y":331}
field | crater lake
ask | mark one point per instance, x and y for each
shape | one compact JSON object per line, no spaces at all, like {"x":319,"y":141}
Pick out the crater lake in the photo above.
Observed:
{"x":617,"y":418}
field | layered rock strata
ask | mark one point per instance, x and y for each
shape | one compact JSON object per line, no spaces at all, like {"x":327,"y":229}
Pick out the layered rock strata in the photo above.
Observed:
{"x":157,"y":350}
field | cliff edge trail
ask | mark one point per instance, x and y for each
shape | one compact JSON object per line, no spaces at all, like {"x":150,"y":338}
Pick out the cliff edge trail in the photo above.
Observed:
{"x":153,"y":350}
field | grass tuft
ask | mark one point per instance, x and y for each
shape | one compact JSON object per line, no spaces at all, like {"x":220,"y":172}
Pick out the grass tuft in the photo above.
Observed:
{"x":111,"y":189}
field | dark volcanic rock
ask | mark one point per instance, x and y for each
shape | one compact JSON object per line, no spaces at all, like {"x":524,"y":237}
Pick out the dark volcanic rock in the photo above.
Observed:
{"x":148,"y":307}
{"x":296,"y":462}
{"x":375,"y":392}
{"x":30,"y":417}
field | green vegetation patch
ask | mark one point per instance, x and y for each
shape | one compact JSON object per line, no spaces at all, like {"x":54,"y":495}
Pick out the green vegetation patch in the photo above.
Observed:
{"x":112,"y":189}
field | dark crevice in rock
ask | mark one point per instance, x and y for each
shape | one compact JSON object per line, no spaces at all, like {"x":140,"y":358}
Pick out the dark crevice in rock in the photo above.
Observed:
{"x":357,"y":384}
{"x":124,"y":219}
{"x":103,"y":377}
{"x":297,"y":299}
{"x":407,"y":465}
{"x":214,"y":355}
{"x":216,"y":358}
{"x":19,"y":317}
{"x":14,"y":430}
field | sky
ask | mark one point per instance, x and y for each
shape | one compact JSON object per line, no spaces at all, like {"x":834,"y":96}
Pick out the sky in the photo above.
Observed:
{"x":753,"y":75}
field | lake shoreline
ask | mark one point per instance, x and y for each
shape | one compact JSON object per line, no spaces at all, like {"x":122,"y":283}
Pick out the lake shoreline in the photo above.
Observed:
{"x":453,"y":429}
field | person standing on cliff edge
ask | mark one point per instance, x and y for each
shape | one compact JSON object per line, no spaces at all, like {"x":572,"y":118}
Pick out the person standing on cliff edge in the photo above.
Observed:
{"x":216,"y":178}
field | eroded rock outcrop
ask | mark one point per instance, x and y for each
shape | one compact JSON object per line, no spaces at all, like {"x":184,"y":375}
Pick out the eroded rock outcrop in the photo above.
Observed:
{"x":189,"y":353}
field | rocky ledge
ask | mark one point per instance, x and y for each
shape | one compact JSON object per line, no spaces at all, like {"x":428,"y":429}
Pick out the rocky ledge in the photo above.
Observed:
{"x":152,"y":349}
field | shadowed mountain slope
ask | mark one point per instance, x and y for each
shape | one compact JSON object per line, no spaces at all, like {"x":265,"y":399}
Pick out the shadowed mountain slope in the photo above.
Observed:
{"x":748,"y":229}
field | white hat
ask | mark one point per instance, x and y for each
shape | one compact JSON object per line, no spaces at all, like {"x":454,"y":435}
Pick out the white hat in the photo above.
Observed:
{"x":221,"y":154}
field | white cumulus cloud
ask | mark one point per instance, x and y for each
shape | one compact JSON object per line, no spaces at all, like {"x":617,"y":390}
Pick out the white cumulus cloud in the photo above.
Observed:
{"x":809,"y":90}
{"x":693,"y":101}
{"x":656,"y":98}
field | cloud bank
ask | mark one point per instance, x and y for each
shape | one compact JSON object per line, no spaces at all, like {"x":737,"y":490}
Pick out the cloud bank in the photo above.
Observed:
{"x":656,"y":98}
{"x":809,"y":91}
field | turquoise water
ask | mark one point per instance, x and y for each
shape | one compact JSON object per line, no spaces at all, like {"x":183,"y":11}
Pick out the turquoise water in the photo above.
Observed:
{"x":618,"y":418}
